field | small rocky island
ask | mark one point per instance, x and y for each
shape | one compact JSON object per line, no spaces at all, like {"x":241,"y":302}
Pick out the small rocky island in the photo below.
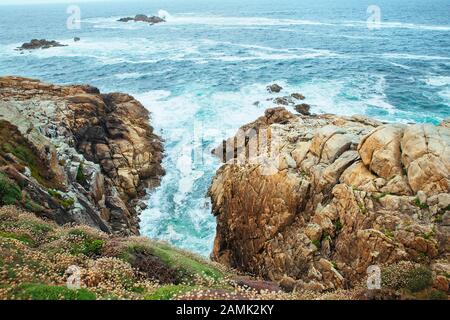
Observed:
{"x":40,"y":44}
{"x":143,"y":18}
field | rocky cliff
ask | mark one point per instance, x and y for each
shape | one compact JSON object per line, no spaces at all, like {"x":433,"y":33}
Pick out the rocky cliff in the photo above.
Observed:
{"x":72,"y":154}
{"x":324,"y":198}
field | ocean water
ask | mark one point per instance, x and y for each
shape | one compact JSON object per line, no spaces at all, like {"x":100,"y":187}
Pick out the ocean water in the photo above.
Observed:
{"x":201,"y":72}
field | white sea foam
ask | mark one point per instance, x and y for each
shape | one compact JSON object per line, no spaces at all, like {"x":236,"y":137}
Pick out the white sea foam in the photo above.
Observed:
{"x":214,"y":20}
{"x":163,"y":14}
{"x":446,"y":95}
{"x":179,"y":210}
{"x":400,"y":65}
{"x":333,"y":96}
{"x":277,"y":54}
{"x":443,"y":83}
{"x":128,"y":75}
{"x":438,"y":81}
{"x":141,"y":50}
{"x":230,"y":21}
{"x":116,"y":50}
{"x":405,"y":56}
{"x":400,"y":25}
{"x":397,"y":25}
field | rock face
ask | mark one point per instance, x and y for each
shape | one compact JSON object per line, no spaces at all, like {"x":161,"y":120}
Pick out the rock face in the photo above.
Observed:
{"x":303,"y":109}
{"x":143,"y":18}
{"x":79,"y":155}
{"x":40,"y":44}
{"x":335,"y":196}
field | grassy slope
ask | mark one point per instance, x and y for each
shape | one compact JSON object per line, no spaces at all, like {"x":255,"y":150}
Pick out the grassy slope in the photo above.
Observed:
{"x":35,"y":255}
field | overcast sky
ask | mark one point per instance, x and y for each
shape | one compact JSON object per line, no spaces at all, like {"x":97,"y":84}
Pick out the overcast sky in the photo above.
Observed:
{"x":8,"y":2}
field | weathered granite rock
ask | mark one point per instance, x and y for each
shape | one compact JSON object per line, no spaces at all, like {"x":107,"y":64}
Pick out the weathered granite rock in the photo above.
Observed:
{"x":99,"y":150}
{"x":342,"y":194}
{"x":40,"y":44}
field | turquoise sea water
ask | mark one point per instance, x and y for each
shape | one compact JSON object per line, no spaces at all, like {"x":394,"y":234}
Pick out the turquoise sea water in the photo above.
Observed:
{"x":212,"y":60}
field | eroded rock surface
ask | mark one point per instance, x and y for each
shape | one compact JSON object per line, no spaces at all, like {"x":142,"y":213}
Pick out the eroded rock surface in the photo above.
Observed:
{"x":337,"y":195}
{"x":97,"y":153}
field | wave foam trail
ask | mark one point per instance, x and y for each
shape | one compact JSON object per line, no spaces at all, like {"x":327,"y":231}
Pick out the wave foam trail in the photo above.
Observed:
{"x":249,"y":21}
{"x":438,"y":81}
{"x":179,"y":211}
{"x":406,"y":56}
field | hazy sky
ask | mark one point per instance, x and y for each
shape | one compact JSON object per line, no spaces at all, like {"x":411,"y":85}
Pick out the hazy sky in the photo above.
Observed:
{"x":8,"y":2}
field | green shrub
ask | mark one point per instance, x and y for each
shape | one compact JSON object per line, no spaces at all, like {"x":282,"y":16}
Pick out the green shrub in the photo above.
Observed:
{"x":81,"y":178}
{"x":10,"y":193}
{"x":169,"y":292}
{"x":48,"y":292}
{"x":437,"y":295}
{"x":418,"y":279}
{"x":21,"y":237}
{"x":89,"y":247}
{"x":405,"y":275}
{"x":188,"y":265}
{"x":338,"y":226}
{"x":317,"y":243}
{"x":32,"y":206}
{"x":420,"y":204}
{"x":66,"y":203}
{"x":185,"y":262}
{"x":28,"y":157}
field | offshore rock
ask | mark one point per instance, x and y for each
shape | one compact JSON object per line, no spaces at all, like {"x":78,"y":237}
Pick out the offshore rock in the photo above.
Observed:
{"x":40,"y":44}
{"x":143,"y":18}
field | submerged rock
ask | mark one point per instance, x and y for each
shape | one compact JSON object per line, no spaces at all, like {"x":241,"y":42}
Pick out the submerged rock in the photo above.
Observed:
{"x":298,"y":96}
{"x":274,"y":88}
{"x":98,"y":152}
{"x":303,"y":109}
{"x":40,"y":44}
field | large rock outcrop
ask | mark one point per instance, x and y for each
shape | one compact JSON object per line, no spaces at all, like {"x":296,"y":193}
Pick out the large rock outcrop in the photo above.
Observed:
{"x":326,"y":197}
{"x":77,"y":155}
